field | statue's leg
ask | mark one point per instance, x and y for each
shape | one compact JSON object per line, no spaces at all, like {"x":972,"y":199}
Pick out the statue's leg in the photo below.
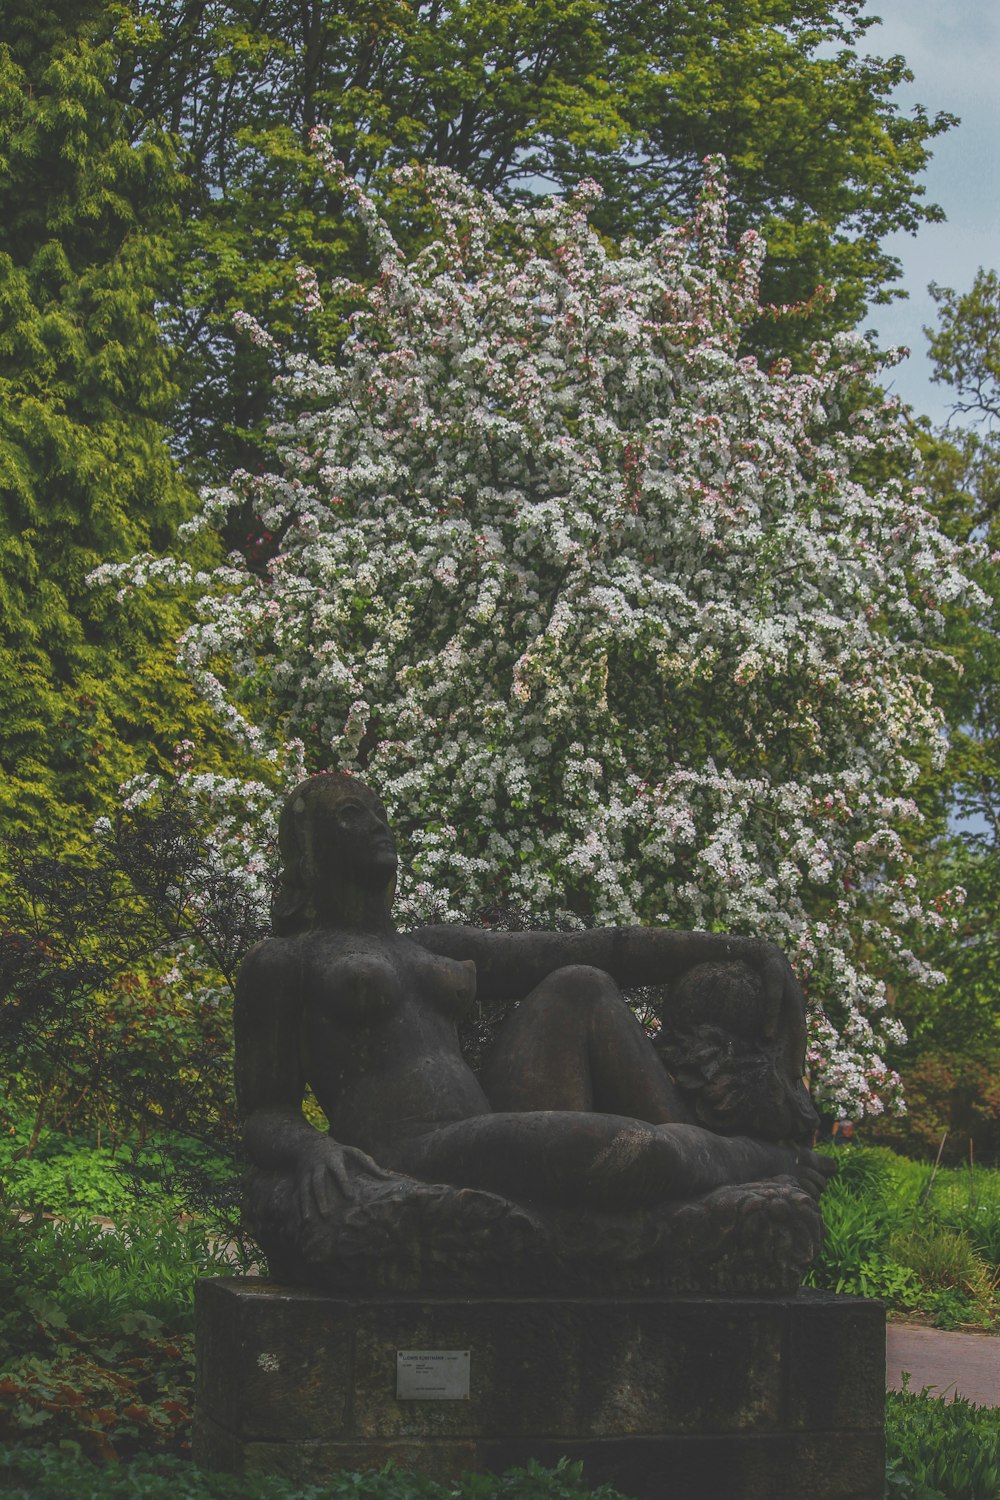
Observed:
{"x":590,"y":1160}
{"x":573,"y":1044}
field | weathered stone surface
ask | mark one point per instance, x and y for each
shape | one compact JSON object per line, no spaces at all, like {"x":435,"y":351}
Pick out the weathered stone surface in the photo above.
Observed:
{"x":316,"y":1461}
{"x":844,"y":1390}
{"x":746,"y":1398}
{"x":408,"y":1236}
{"x":604,"y":1367}
{"x":778,"y":1467}
{"x":273,"y":1362}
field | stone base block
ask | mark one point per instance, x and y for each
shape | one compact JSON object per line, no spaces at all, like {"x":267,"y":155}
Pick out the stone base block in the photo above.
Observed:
{"x":668,"y":1398}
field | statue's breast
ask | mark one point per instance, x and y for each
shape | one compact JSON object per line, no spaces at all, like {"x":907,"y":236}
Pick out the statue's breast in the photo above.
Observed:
{"x":448,"y":984}
{"x":351,"y":989}
{"x":366,"y":985}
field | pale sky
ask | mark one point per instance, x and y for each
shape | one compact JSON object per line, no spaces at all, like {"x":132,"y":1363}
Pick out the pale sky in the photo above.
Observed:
{"x":953,"y":50}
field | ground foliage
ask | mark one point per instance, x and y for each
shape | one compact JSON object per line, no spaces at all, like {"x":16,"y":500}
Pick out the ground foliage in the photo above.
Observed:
{"x":935,"y":1451}
{"x":86,"y":1353}
{"x":923,"y":1238}
{"x":96,"y":1325}
{"x":557,"y":564}
{"x":938,"y":1450}
{"x":60,"y":1475}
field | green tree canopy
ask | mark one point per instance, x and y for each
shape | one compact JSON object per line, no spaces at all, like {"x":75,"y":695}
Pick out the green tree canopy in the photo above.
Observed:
{"x":961,"y":469}
{"x":518,"y":96}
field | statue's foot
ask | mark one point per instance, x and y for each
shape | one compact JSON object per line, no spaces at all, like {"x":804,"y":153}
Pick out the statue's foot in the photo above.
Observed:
{"x":807,"y":1167}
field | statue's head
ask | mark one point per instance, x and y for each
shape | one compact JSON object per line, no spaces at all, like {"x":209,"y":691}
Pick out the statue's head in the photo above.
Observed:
{"x":336,"y":847}
{"x":736,"y":1078}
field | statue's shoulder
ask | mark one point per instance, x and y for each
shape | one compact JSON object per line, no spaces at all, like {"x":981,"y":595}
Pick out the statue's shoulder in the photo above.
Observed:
{"x":274,"y":961}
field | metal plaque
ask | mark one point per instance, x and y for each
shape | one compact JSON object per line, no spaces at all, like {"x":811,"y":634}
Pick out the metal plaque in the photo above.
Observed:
{"x":432,"y":1374}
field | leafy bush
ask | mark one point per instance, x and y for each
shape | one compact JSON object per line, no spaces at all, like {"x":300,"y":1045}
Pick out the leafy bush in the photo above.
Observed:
{"x":953,"y":1096}
{"x":95,"y":1333}
{"x":45,"y":1170}
{"x":25,"y":1474}
{"x":96,"y":1035}
{"x":62,"y":1175}
{"x":922,"y":1240}
{"x":938,"y":1450}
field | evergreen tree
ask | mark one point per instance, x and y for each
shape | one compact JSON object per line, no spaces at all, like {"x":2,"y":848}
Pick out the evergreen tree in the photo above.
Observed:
{"x":88,"y":205}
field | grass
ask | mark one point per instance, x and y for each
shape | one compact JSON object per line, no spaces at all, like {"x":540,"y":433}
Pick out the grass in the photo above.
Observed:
{"x":926,"y":1242}
{"x":938,"y":1450}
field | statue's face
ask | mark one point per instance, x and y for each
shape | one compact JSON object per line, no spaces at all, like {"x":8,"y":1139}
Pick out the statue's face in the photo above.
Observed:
{"x":351,"y":835}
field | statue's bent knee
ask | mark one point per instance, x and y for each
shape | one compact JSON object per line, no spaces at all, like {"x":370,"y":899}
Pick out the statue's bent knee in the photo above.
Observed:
{"x":578,"y":983}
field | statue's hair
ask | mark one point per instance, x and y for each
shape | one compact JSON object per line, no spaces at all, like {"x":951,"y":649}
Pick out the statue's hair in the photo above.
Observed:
{"x":735,"y":1078}
{"x":733,"y":1087}
{"x":293,"y":908}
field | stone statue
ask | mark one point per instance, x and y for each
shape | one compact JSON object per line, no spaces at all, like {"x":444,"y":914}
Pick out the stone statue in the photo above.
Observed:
{"x":582,"y":1157}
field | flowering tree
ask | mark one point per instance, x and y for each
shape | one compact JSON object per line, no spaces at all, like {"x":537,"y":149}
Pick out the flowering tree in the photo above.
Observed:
{"x":604,"y":610}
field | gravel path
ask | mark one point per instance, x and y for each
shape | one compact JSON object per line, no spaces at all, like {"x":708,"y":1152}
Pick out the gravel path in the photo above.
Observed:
{"x":962,"y":1364}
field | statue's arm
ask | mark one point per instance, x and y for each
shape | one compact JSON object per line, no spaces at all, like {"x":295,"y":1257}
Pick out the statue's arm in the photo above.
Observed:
{"x":269,"y":1081}
{"x":270,"y":1086}
{"x":510,"y":964}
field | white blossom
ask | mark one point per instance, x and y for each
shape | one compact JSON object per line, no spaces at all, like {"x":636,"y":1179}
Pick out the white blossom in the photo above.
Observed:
{"x":601,"y":607}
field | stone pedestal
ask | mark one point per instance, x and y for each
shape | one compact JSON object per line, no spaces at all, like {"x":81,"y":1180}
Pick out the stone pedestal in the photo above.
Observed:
{"x":666,"y":1397}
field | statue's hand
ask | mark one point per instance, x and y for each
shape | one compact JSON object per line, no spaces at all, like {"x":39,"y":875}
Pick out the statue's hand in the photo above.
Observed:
{"x":785,"y":1004}
{"x":327,"y":1175}
{"x":813,"y":1172}
{"x":785,"y":1026}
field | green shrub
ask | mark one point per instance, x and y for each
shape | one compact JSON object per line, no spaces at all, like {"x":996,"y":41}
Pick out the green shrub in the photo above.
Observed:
{"x":95,"y":1333}
{"x":948,"y":1094}
{"x":62,"y":1174}
{"x":922,"y":1240}
{"x":938,"y":1450}
{"x":27,"y":1474}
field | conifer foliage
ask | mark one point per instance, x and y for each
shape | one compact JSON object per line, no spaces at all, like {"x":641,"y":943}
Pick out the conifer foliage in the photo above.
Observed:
{"x":604,"y":609}
{"x":85,"y":383}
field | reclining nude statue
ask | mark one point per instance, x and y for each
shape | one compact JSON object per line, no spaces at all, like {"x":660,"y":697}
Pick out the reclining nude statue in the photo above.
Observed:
{"x":583,"y":1156}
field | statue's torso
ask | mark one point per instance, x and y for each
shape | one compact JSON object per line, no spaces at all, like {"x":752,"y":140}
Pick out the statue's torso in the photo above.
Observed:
{"x":378,"y":1038}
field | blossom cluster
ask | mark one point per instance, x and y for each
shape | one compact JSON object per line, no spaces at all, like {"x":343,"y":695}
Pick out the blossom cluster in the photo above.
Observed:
{"x":605,"y":610}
